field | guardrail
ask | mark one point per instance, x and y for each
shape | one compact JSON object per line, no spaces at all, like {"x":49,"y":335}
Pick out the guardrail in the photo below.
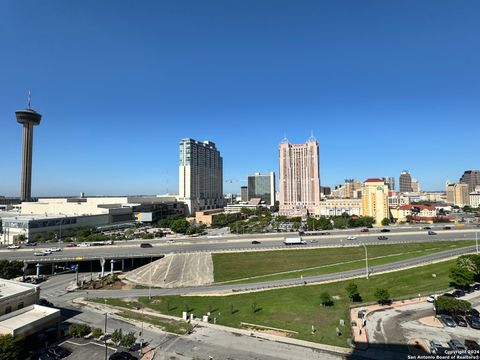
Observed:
{"x":50,"y":259}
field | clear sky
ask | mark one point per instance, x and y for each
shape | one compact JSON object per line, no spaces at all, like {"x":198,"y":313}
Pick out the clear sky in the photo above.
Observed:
{"x":384,"y":86}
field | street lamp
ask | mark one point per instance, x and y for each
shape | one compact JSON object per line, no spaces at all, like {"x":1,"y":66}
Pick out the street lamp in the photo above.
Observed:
{"x":476,"y":241}
{"x":366,"y":260}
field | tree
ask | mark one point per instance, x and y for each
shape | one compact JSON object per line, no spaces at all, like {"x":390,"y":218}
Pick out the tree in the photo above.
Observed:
{"x":79,"y":330}
{"x":450,"y":305}
{"x":461,"y":276}
{"x":10,"y":347}
{"x":21,"y":238}
{"x":128,"y":340}
{"x":352,"y":291}
{"x":38,"y":237}
{"x":117,"y":336}
{"x":326,"y":299}
{"x":96,"y":333}
{"x":385,"y":222}
{"x":408,"y":218}
{"x":382,"y":296}
{"x":180,"y":226}
{"x":11,"y":269}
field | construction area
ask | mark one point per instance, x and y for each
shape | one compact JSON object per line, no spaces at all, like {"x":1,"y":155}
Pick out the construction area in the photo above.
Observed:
{"x":175,"y":270}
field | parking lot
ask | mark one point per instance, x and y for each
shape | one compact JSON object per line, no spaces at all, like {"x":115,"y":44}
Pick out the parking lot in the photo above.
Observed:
{"x":405,"y":324}
{"x":86,"y":350}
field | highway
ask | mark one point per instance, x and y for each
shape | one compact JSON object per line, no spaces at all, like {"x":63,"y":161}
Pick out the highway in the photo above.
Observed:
{"x":229,"y":288}
{"x":238,"y":243}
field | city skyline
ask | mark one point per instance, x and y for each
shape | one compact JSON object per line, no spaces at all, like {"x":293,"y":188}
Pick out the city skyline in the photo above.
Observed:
{"x":93,"y":105}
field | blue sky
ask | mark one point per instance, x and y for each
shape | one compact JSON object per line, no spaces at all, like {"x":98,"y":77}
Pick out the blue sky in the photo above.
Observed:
{"x":384,"y":86}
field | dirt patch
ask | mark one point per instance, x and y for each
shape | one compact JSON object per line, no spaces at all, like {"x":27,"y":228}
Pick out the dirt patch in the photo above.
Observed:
{"x":268,"y":331}
{"x":431,"y":321}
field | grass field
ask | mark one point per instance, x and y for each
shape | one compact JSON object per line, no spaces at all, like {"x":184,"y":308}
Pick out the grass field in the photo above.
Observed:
{"x":298,"y":308}
{"x":268,"y":265}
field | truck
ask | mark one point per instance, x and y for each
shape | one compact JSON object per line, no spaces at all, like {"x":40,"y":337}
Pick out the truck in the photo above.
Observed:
{"x":294,"y":240}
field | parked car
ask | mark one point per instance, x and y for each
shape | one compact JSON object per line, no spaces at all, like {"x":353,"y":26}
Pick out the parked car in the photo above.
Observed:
{"x":44,"y":302}
{"x":55,"y":249}
{"x":475,"y":287}
{"x":472,"y":345}
{"x":460,"y":321}
{"x":351,"y":237}
{"x":432,"y":233}
{"x":458,"y":346}
{"x":45,"y":356}
{"x":71,"y":245}
{"x":385,"y":230}
{"x":146,"y":245}
{"x":364,"y":230}
{"x":432,"y":298}
{"x":58,"y":352}
{"x":30,"y":243}
{"x":447,"y":228}
{"x":13,"y":247}
{"x":474,"y":312}
{"x":436,"y":347}
{"x":382,"y":238}
{"x":448,"y":295}
{"x":458,"y":293}
{"x":448,"y":320}
{"x":256,"y":242}
{"x":473,"y":321}
{"x":122,"y":355}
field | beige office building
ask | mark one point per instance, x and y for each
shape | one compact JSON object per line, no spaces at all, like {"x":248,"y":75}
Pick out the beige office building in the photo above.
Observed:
{"x":375,"y":200}
{"x":299,"y":181}
{"x":461,"y":195}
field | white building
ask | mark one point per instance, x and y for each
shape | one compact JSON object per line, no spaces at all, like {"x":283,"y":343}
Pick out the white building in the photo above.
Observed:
{"x":337,"y":207}
{"x":475,"y":199}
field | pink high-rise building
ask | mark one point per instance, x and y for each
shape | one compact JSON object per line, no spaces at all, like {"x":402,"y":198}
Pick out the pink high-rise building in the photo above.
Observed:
{"x":299,"y":181}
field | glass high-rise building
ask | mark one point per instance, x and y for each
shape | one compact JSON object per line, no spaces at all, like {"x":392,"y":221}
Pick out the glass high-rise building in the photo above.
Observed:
{"x":200,"y":178}
{"x":262,"y":186}
{"x":405,"y":181}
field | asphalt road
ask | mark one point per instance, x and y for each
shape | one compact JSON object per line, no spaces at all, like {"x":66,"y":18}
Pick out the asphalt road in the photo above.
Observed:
{"x":272,"y":241}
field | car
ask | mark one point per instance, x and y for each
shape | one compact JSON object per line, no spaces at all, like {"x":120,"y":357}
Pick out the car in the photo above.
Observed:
{"x":313,"y":241}
{"x":436,"y":347}
{"x":427,"y":228}
{"x":476,"y":287}
{"x":45,"y":356}
{"x":474,"y":312}
{"x":39,"y":253}
{"x":458,"y":293}
{"x":457,"y":346}
{"x":46,"y":252}
{"x":432,"y":298}
{"x":171,"y":242}
{"x":122,"y":355}
{"x":351,"y":238}
{"x":146,"y":245}
{"x":84,"y":244}
{"x":324,"y":233}
{"x":460,"y":321}
{"x":58,"y":352}
{"x":472,"y":345}
{"x":448,"y":320}
{"x":55,"y":249}
{"x":448,"y":295}
{"x":256,"y":242}
{"x":13,"y":247}
{"x":71,"y":245}
{"x":382,"y":238}
{"x":385,"y":230}
{"x":30,"y":243}
{"x":447,"y":228}
{"x":432,"y":233}
{"x":44,"y":302}
{"x":473,"y":321}
{"x":364,"y":230}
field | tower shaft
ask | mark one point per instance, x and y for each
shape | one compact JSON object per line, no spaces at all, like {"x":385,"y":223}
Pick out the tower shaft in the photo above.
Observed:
{"x":26,"y":183}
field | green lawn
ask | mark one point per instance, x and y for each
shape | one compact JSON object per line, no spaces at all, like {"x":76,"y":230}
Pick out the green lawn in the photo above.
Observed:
{"x":273,"y":265}
{"x":172,"y":326}
{"x":298,"y":308}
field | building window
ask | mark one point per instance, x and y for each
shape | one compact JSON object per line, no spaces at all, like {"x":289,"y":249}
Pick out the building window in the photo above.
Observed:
{"x":8,"y":309}
{"x":20,"y":306}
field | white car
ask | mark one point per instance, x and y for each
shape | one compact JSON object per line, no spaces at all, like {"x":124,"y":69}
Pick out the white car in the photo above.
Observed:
{"x":351,"y":238}
{"x":432,"y":298}
{"x":46,"y":252}
{"x":40,"y":253}
{"x":54,"y":249}
{"x":171,"y":242}
{"x":13,"y":247}
{"x":84,"y":244}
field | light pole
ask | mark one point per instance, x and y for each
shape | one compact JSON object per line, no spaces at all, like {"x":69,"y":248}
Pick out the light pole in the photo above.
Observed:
{"x":366,"y":260}
{"x":476,"y":241}
{"x":150,"y":282}
{"x":105,"y":334}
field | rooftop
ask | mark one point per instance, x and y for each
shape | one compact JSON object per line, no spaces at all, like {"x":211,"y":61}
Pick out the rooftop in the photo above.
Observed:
{"x":10,"y":288}
{"x":374,"y":180}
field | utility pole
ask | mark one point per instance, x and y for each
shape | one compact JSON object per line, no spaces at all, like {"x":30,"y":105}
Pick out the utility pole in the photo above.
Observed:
{"x":476,"y":241}
{"x":105,"y":336}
